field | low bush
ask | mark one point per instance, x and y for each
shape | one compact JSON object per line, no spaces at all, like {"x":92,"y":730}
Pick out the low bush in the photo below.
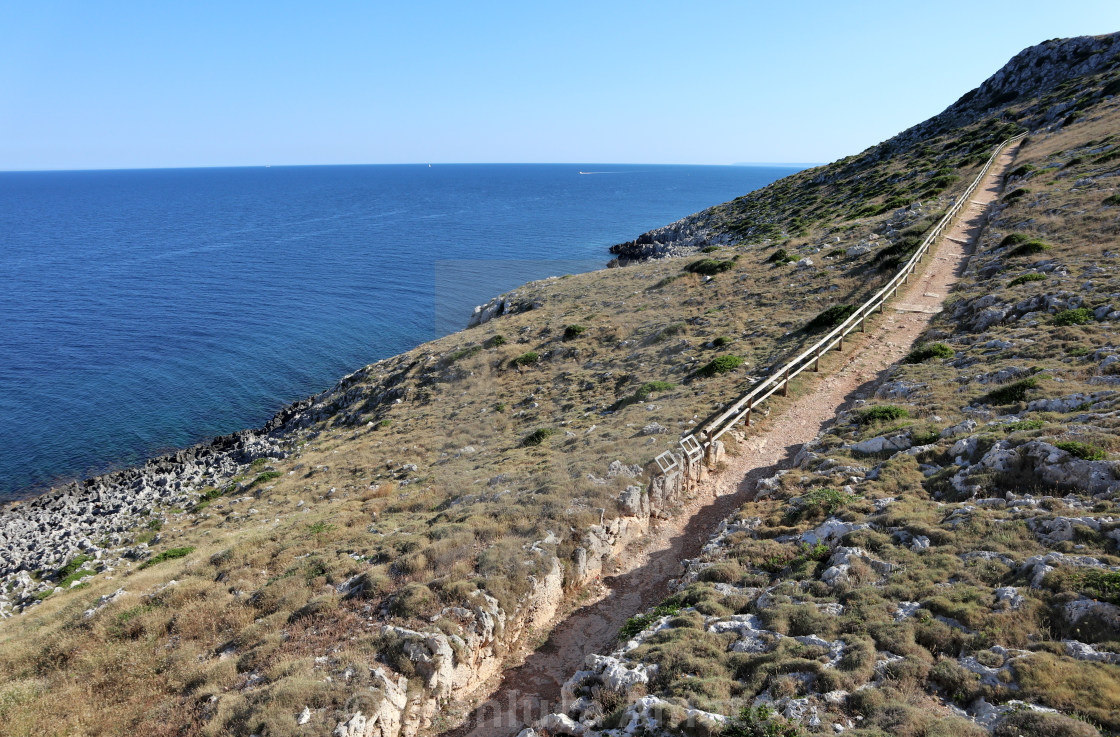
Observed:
{"x":466,"y":352}
{"x":1084,"y":451}
{"x":1023,"y":425}
{"x":639,"y":622}
{"x":526,"y":359}
{"x":720,"y":365}
{"x":1016,"y":194}
{"x":1112,"y":200}
{"x":169,"y":554}
{"x":927,"y":351}
{"x":1030,"y":248}
{"x":1024,"y":278}
{"x":826,"y":499}
{"x":537,"y":437}
{"x":882,"y":413}
{"x":709,"y":249}
{"x":574,"y":331}
{"x":709,"y":266}
{"x":721,"y":341}
{"x":208,"y":495}
{"x":495,"y":341}
{"x":781,"y":256}
{"x":831,"y":317}
{"x":924,"y":437}
{"x":1014,"y":239}
{"x":264,"y":478}
{"x":1011,"y":393}
{"x":760,"y":721}
{"x":643,"y":393}
{"x":1079,"y":316}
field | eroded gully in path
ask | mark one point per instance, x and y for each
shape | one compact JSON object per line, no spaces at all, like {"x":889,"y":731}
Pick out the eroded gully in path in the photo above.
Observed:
{"x":528,"y":690}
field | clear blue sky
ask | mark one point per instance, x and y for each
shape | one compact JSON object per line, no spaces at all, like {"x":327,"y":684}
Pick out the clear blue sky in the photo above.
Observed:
{"x":153,"y":84}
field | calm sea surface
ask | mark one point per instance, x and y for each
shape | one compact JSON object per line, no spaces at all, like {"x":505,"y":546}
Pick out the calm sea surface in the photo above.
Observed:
{"x":147,"y":310}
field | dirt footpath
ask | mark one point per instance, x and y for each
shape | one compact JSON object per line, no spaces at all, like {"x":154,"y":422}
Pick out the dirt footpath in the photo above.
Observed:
{"x":532,"y":688}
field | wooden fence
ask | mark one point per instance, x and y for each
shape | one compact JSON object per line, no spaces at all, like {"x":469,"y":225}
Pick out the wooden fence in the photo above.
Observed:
{"x":696,"y":442}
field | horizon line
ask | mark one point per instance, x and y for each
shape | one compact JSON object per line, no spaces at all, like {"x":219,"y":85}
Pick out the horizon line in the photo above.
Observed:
{"x":419,"y":164}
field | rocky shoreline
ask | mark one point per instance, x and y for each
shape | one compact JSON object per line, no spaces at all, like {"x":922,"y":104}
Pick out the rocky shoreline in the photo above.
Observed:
{"x":97,"y":520}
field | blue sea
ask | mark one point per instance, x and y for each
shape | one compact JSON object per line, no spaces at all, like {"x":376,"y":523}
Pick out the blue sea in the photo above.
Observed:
{"x":147,"y":310}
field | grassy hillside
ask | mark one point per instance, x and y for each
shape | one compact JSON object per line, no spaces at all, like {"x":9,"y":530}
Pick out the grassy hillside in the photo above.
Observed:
{"x":421,"y":485}
{"x":971,"y":580}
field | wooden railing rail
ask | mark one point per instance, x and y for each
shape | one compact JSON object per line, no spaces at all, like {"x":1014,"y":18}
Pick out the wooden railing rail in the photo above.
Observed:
{"x":778,"y":380}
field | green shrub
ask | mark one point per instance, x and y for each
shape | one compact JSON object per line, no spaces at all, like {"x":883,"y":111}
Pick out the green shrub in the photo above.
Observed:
{"x":574,"y":331}
{"x":1021,"y":170}
{"x":653,"y":386}
{"x":666,"y":281}
{"x":709,"y":249}
{"x":721,"y":341}
{"x":466,"y":352}
{"x":924,"y":437}
{"x":1014,"y":239}
{"x":1084,"y":451}
{"x":643,"y":393}
{"x":1080,"y":316}
{"x":781,"y":256}
{"x":74,"y":570}
{"x":760,"y":721}
{"x":169,"y":554}
{"x":927,"y":351}
{"x":673,"y":328}
{"x":826,"y":499}
{"x":709,"y":266}
{"x":1024,"y":278}
{"x":1112,"y":200}
{"x":537,"y":437}
{"x":527,"y":359}
{"x":1016,"y":194}
{"x":720,"y":365}
{"x":1011,"y":393}
{"x":882,"y":413}
{"x":837,"y":253}
{"x":73,"y":565}
{"x":1030,"y":248}
{"x":208,"y":495}
{"x":1023,"y":425}
{"x":495,"y":341}
{"x":639,"y":622}
{"x":831,"y":317}
{"x":1097,"y":582}
{"x":264,"y":478}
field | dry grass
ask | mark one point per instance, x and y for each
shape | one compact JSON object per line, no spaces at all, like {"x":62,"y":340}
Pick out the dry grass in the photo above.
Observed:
{"x":413,"y":473}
